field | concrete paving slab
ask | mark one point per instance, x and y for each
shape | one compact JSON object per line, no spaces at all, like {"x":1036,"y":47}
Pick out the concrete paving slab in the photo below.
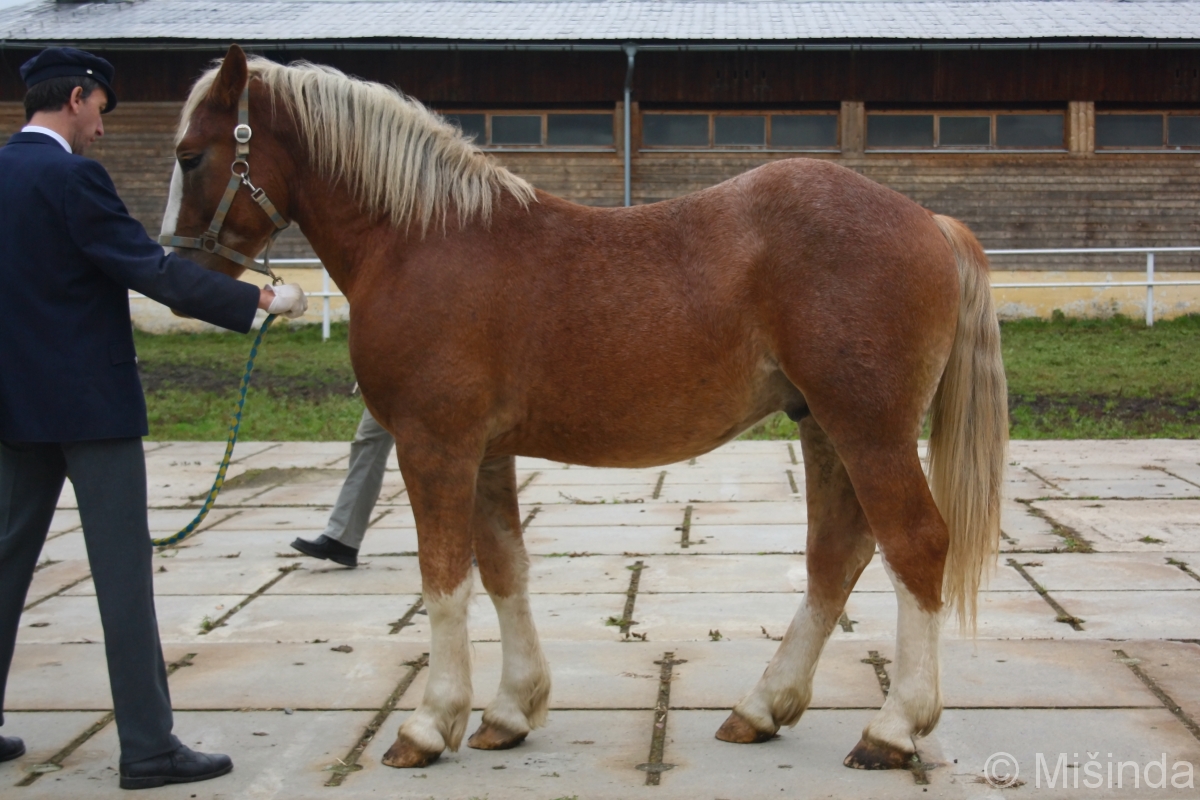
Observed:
{"x":1128,"y":615}
{"x":1032,"y":674}
{"x":729,"y":492}
{"x":1153,"y":487}
{"x":614,"y":540}
{"x":718,"y":674}
{"x":1115,"y":572}
{"x":606,"y":515}
{"x":748,"y":538}
{"x":695,"y":572}
{"x":381,"y":539}
{"x":582,"y":477}
{"x":1120,"y":526}
{"x":1002,"y":615}
{"x":1028,"y":530}
{"x":690,"y":617}
{"x":65,"y":519}
{"x":61,"y":619}
{"x":378,"y":576}
{"x":583,"y":753}
{"x":969,"y":737}
{"x":55,"y":577}
{"x":298,"y":618}
{"x":309,"y":675}
{"x":789,"y":512}
{"x":317,"y":493}
{"x":164,"y":521}
{"x":44,"y":733}
{"x":1185,"y":470}
{"x":273,"y":518}
{"x":1059,"y":471}
{"x":58,"y":677}
{"x":65,"y":547}
{"x":222,"y":544}
{"x":397,"y":515}
{"x":584,"y":675}
{"x":600,"y":494}
{"x":66,"y":499}
{"x":225,"y":576}
{"x":276,"y":755}
{"x":804,"y":761}
{"x":1174,"y":667}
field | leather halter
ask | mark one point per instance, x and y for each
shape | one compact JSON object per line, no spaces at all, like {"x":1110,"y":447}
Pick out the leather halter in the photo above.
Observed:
{"x":240,"y":175}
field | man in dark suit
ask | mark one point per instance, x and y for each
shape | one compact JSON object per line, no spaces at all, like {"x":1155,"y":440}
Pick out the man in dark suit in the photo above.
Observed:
{"x":71,"y":400}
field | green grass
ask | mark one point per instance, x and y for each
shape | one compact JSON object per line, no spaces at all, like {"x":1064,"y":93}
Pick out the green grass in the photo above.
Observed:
{"x":1067,"y":378}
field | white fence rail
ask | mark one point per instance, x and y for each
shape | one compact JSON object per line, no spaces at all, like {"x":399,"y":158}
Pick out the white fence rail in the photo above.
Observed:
{"x":1149,"y":252}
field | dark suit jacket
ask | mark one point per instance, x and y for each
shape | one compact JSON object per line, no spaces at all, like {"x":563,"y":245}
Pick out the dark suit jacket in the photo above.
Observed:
{"x":69,"y":254}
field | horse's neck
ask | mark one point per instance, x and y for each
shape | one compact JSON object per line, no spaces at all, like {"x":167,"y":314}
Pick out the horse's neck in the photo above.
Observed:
{"x":340,"y":233}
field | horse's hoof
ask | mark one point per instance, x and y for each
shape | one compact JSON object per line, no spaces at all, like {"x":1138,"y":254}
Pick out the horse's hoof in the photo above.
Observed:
{"x":493,"y":737}
{"x":404,"y":754}
{"x":872,"y":754}
{"x":738,"y":730}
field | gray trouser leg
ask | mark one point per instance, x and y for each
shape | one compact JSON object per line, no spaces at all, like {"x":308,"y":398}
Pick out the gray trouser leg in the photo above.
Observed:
{"x":368,"y":459}
{"x":109,"y":477}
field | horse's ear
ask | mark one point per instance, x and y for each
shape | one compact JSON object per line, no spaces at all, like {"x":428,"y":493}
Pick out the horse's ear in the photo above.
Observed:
{"x":231,"y":78}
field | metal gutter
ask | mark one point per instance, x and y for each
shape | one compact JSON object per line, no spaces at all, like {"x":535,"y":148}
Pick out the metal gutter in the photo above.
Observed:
{"x":606,"y":47}
{"x":630,"y":52}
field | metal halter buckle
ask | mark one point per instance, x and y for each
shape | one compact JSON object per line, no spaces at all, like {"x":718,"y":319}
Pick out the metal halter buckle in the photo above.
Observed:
{"x":242,"y":133}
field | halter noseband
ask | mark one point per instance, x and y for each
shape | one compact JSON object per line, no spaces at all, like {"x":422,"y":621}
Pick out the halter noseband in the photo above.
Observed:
{"x":240,"y":175}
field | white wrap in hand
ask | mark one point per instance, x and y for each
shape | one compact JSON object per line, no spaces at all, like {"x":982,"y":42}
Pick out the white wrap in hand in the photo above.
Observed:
{"x":289,"y":301}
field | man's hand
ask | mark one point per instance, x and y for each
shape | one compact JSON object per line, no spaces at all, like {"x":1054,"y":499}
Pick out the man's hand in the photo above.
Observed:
{"x":287,"y":299}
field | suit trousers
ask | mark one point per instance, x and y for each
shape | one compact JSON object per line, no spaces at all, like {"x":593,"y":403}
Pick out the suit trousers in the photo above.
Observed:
{"x":368,"y":459}
{"x":109,"y":476}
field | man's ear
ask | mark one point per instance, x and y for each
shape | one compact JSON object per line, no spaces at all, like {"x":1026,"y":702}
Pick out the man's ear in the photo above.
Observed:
{"x":76,"y":99}
{"x":231,"y":78}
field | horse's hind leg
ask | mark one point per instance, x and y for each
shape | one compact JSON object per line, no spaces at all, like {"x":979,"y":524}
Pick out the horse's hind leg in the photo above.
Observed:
{"x":914,"y":541}
{"x":524,"y":694}
{"x":839,"y":547}
{"x":442,"y":488}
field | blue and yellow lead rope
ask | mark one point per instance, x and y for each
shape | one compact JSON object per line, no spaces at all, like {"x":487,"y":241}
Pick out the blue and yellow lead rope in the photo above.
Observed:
{"x":234,"y":423}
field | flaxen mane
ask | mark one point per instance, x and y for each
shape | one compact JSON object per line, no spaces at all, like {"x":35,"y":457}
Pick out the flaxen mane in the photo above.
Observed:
{"x":399,"y":159}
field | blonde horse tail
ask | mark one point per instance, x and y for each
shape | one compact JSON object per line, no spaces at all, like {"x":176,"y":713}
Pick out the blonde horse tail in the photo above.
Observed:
{"x":968,"y":441}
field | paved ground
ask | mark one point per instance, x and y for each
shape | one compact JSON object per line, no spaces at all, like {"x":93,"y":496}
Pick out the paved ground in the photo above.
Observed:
{"x":289,"y":664}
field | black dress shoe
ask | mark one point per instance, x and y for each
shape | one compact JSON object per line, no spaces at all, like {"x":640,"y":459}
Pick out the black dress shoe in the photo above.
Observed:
{"x":11,"y":747}
{"x":331,"y":549}
{"x":180,"y":766}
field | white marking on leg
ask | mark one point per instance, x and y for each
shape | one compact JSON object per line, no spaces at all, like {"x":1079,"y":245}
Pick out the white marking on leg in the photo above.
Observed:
{"x":914,"y":702}
{"x":174,"y":201}
{"x":524,"y":696}
{"x":441,"y":719}
{"x":785,"y":689}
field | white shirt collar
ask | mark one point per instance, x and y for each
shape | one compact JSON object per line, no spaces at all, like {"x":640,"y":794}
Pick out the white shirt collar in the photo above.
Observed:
{"x":52,"y":134}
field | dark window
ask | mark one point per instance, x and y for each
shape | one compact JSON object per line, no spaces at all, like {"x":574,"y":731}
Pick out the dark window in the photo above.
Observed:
{"x":739,"y":131}
{"x":677,"y":130}
{"x":804,"y":130}
{"x":900,"y":130}
{"x":516,"y":129}
{"x":1029,"y":130}
{"x":579,"y":129}
{"x":1129,"y":130}
{"x":1183,"y":131}
{"x":964,"y":131}
{"x":471,"y":125}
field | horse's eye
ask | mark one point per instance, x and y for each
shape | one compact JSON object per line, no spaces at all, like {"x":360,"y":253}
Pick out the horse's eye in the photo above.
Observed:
{"x":189,"y":163}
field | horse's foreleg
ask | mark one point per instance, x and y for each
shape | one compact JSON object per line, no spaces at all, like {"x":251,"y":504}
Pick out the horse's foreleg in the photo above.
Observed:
{"x":839,"y":547}
{"x":524,"y":694}
{"x":442,"y":492}
{"x":914,"y":541}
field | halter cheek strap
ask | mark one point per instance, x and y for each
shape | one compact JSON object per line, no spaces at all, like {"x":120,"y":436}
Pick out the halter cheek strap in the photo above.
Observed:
{"x":239,"y":176}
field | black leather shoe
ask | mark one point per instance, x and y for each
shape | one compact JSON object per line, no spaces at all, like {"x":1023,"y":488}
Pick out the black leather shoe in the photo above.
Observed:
{"x":330,"y":549}
{"x":11,"y":747}
{"x":181,"y":766}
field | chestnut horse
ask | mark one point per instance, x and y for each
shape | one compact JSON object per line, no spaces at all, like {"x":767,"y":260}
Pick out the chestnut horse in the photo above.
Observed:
{"x":491,"y":320}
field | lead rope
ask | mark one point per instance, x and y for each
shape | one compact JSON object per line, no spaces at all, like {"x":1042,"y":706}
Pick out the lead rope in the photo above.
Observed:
{"x":235,"y":423}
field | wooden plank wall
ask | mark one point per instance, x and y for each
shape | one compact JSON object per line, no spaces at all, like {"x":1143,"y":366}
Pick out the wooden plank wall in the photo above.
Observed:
{"x":1012,"y":201}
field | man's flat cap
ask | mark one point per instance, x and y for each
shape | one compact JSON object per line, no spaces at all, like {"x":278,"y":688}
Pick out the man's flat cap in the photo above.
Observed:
{"x":61,"y":62}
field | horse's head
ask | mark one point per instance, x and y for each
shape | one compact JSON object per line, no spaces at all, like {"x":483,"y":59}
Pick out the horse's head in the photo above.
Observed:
{"x":212,"y":145}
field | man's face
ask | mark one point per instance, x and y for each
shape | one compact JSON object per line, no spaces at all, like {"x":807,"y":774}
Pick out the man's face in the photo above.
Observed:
{"x":86,"y":124}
